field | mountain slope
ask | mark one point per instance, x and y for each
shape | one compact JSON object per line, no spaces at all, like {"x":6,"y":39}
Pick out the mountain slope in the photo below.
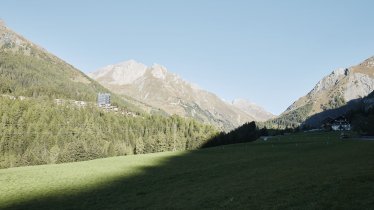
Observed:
{"x":359,"y":105}
{"x":333,"y":91}
{"x":29,"y":70}
{"x":259,"y":113}
{"x":165,"y":90}
{"x":36,"y":129}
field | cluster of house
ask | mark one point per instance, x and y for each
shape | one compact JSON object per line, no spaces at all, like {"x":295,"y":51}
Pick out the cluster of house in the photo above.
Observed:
{"x":338,"y":124}
{"x":14,"y":97}
{"x":80,"y":104}
{"x":103,"y":101}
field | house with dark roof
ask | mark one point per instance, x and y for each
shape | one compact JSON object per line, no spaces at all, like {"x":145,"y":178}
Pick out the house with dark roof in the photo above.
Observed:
{"x":340,"y":124}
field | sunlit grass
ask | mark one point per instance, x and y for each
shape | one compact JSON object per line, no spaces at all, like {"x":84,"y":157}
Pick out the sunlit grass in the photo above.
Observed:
{"x":28,"y":183}
{"x":302,"y":171}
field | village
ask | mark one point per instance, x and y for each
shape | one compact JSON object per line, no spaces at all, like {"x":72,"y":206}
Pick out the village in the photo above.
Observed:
{"x":103,"y":102}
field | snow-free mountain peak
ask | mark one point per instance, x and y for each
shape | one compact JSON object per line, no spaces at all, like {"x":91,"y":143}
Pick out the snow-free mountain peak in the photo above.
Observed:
{"x":2,"y":23}
{"x":252,"y":109}
{"x":333,"y":91}
{"x":160,"y":88}
{"x":330,"y":80}
{"x":159,"y":71}
{"x":122,"y":73}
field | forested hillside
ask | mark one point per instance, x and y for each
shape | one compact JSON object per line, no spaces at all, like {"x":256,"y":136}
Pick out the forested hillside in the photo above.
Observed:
{"x":41,"y":132}
{"x":29,"y":70}
{"x":291,"y":119}
{"x":362,"y":118}
{"x":245,"y":133}
{"x":35,"y":130}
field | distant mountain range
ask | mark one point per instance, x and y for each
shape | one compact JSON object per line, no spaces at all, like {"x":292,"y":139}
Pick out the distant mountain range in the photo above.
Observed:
{"x":333,"y":91}
{"x":160,"y":88}
{"x":254,"y":110}
{"x":29,"y":70}
{"x":35,"y":128}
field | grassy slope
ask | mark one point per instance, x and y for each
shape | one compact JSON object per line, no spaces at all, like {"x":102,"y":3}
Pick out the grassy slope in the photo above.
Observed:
{"x":29,"y":70}
{"x":303,"y":171}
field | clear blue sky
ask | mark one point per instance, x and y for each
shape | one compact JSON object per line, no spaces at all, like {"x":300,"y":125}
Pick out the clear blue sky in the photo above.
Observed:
{"x":270,"y":52}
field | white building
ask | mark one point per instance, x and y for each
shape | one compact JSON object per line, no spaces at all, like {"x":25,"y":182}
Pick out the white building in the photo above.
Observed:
{"x":340,"y":124}
{"x":103,"y":99}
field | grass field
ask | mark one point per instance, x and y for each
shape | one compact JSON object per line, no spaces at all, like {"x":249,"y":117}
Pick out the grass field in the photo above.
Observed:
{"x":301,"y":171}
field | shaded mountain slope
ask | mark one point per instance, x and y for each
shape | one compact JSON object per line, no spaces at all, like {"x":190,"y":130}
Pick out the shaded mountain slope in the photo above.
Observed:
{"x":355,"y":105}
{"x":333,"y":91}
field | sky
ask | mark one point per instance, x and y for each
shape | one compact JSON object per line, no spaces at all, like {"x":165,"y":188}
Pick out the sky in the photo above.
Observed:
{"x":268,"y":52}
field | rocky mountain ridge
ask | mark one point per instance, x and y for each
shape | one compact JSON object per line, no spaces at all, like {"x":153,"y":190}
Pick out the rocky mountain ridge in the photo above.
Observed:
{"x":333,"y":91}
{"x":158,"y":87}
{"x":259,"y":113}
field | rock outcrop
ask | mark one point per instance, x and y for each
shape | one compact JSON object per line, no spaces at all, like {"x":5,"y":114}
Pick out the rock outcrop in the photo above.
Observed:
{"x":160,"y":88}
{"x":335,"y":90}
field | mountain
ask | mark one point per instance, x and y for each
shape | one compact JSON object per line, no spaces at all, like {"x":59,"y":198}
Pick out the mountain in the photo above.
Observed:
{"x":27,"y":69}
{"x":158,"y":87}
{"x":353,"y":107}
{"x":259,"y":113}
{"x":333,"y":91}
{"x":35,"y":128}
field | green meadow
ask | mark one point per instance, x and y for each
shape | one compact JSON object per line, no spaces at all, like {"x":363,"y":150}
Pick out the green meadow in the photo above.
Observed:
{"x":298,"y":171}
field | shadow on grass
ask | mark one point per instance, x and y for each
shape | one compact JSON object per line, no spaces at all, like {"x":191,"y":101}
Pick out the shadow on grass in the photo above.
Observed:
{"x":242,"y":176}
{"x":179,"y":182}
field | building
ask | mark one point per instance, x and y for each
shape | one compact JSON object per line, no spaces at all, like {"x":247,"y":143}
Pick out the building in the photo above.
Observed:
{"x":103,"y":99}
{"x":327,"y":123}
{"x":340,"y":124}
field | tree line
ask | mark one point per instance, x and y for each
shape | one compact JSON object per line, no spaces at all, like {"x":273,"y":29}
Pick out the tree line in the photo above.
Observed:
{"x":37,"y":131}
{"x":362,"y":120}
{"x":246,"y":133}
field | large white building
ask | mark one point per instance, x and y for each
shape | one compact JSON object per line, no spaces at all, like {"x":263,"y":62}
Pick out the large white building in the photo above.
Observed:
{"x":103,"y":99}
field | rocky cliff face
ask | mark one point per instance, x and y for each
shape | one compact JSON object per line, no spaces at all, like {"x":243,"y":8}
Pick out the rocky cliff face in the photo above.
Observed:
{"x":336,"y":89}
{"x":158,"y":87}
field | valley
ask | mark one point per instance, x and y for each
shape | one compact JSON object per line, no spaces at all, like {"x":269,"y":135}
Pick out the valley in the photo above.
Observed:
{"x":186,"y":105}
{"x":49,"y":113}
{"x":306,"y":170}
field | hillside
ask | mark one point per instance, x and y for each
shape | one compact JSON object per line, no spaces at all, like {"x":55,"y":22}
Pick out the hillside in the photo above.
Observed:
{"x":361,"y":105}
{"x":34,"y":129}
{"x":252,"y":109}
{"x":29,"y":70}
{"x":301,"y":171}
{"x":333,"y":91}
{"x":165,"y":90}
